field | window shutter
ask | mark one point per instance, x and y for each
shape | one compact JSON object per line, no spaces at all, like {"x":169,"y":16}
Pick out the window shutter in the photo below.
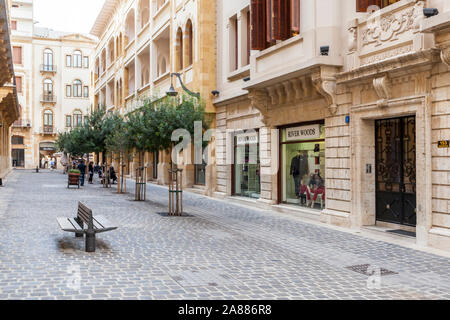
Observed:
{"x":19,"y":84}
{"x":363,"y":5}
{"x":258,"y":24}
{"x":279,"y":17}
{"x":295,"y":16}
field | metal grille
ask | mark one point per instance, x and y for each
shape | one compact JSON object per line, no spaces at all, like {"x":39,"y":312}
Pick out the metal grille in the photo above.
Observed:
{"x":368,"y":270}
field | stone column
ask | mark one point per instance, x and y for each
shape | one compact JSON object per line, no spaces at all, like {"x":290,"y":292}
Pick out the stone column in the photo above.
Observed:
{"x":269,"y":154}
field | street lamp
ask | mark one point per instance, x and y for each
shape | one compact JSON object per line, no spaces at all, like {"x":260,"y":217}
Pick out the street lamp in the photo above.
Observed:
{"x":173,"y":93}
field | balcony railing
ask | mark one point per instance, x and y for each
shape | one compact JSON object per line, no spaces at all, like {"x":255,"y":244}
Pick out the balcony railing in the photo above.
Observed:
{"x":50,"y":98}
{"x":22,"y":124}
{"x":47,"y":130}
{"x":48,"y":68}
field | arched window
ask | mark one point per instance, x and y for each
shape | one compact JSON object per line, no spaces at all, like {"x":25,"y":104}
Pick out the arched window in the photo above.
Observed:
{"x":145,"y":12}
{"x":179,"y":50}
{"x":190,"y":43}
{"x":48,"y":121}
{"x":48,"y":88}
{"x":77,"y":59}
{"x":129,"y":26}
{"x":48,"y":60}
{"x":77,"y":88}
{"x":77,"y":119}
{"x":162,"y":66}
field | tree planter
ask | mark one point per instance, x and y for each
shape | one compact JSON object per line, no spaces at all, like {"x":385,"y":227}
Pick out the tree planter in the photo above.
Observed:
{"x":73,"y":180}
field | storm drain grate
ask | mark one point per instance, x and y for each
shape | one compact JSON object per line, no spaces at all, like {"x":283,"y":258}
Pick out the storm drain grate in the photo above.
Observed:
{"x":203,"y":278}
{"x":368,"y":270}
{"x":166,"y":214}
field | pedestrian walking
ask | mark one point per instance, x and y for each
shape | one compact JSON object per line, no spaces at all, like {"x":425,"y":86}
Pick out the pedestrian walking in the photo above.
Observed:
{"x":82,"y":168}
{"x":91,"y":172}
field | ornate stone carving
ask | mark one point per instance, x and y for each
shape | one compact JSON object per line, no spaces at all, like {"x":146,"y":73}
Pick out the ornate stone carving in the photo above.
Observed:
{"x":382,"y":87}
{"x":445,"y":55}
{"x":325,"y":84}
{"x":260,"y":101}
{"x":388,"y":27}
{"x":352,"y":39}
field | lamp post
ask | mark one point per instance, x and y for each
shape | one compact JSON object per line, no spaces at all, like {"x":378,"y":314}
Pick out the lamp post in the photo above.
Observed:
{"x":173,"y":93}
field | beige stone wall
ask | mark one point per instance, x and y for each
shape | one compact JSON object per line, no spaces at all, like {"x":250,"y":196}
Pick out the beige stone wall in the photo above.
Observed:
{"x":440,"y":158}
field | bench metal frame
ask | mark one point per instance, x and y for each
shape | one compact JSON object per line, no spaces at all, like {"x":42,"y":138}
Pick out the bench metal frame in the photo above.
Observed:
{"x":86,"y":224}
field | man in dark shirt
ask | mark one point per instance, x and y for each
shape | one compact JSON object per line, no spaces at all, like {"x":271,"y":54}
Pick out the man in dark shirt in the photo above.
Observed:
{"x":82,"y":168}
{"x":299,"y":167}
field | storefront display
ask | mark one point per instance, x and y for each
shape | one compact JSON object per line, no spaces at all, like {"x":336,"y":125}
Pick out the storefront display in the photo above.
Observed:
{"x":247,"y":178}
{"x":303,"y":165}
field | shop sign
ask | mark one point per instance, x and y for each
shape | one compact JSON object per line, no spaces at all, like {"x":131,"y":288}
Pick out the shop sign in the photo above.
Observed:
{"x":47,"y":149}
{"x":444,"y":144}
{"x":250,"y":138}
{"x":309,"y":132}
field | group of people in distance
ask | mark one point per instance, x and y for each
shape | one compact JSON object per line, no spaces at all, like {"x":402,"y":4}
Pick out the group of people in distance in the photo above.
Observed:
{"x":92,"y":169}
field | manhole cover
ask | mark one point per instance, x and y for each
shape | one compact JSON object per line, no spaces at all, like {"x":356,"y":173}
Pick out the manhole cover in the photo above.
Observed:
{"x":203,"y":278}
{"x":369,"y":270}
{"x":166,"y":214}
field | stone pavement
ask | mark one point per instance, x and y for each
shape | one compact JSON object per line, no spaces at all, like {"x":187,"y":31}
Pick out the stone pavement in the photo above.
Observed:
{"x":221,"y":251}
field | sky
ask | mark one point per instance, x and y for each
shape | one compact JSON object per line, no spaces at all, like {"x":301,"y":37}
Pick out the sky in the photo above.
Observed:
{"x":67,"y":15}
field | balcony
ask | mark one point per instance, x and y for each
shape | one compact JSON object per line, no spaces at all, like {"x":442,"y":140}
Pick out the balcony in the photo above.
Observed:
{"x":48,"y":98}
{"x":386,"y":34}
{"x":47,"y":68}
{"x":47,"y":130}
{"x":22,"y":123}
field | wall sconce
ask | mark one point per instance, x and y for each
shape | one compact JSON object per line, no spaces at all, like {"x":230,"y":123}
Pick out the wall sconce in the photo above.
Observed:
{"x":429,"y":12}
{"x":215,"y":93}
{"x":324,"y":50}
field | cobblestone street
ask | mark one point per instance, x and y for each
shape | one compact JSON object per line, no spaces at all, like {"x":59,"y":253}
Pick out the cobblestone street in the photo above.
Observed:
{"x":220,"y":251}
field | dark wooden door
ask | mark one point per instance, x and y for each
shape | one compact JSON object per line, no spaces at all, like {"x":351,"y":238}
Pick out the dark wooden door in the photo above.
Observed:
{"x":396,"y":170}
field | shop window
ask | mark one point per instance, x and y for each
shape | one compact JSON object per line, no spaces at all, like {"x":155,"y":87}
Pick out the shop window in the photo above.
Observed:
{"x":272,"y":21}
{"x":371,"y":5}
{"x":247,"y":169}
{"x":303,"y":165}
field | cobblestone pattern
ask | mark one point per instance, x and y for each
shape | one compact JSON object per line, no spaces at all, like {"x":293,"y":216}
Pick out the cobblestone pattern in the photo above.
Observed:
{"x":222,"y":251}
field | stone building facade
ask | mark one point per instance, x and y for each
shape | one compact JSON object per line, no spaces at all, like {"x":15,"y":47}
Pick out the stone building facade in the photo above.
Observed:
{"x":53,"y":76}
{"x":9,"y":111}
{"x":141,"y":43}
{"x":342,"y":114}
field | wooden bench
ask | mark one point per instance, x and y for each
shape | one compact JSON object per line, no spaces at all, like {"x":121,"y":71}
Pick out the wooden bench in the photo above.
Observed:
{"x":87,"y":224}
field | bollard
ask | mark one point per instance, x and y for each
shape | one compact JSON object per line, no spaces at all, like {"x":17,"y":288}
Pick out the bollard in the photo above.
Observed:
{"x":37,"y":169}
{"x":1,"y":182}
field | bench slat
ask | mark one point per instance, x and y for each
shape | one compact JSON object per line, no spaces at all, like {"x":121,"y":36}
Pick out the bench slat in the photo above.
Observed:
{"x":66,"y":225}
{"x":104,"y":223}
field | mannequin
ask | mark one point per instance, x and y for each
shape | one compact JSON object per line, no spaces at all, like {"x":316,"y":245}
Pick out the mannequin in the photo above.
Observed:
{"x":299,"y":168}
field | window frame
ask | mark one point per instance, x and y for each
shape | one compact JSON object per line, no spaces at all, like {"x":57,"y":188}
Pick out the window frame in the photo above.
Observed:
{"x":85,"y":91}
{"x":77,"y":91}
{"x":19,"y":88}
{"x":68,"y":121}
{"x":77,"y":118}
{"x":17,"y":59}
{"x":68,"y":61}
{"x":68,"y":90}
{"x":85,"y":62}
